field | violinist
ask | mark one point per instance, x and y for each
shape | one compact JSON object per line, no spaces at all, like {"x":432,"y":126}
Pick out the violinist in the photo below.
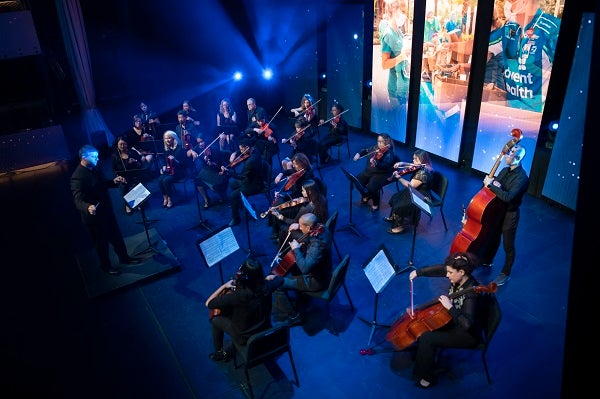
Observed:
{"x":191,"y":115}
{"x":136,"y":135}
{"x":250,"y":180}
{"x":379,"y":166}
{"x":307,"y":109}
{"x":313,"y":200}
{"x":421,"y":174}
{"x":338,"y":129}
{"x":174,"y":168}
{"x":264,"y":137}
{"x":311,"y":270}
{"x":465,"y":327}
{"x":149,"y":119}
{"x":123,"y":160}
{"x":207,"y":168}
{"x":226,"y":125}
{"x":186,"y":131}
{"x":301,"y":142}
{"x":245,"y":309}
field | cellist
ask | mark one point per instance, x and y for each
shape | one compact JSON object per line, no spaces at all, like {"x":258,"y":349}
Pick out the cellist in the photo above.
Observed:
{"x":465,"y":328}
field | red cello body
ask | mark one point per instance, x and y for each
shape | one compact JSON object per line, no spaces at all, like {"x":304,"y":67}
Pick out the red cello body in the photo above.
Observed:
{"x":484,"y":213}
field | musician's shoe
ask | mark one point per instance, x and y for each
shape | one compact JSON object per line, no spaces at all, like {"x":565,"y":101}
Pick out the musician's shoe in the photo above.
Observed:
{"x":364,"y":201}
{"x":422,"y":383}
{"x":295,"y":320}
{"x":501,"y":279}
{"x":220,"y":356}
{"x":234,"y":222}
{"x":396,"y":230}
{"x":113,"y":271}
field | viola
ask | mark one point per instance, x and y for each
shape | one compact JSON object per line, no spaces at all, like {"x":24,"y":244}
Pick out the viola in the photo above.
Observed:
{"x":378,"y":154}
{"x":287,"y":204}
{"x":186,"y":138}
{"x":294,"y":177}
{"x":427,"y":317}
{"x":170,"y":166}
{"x":484,"y":213}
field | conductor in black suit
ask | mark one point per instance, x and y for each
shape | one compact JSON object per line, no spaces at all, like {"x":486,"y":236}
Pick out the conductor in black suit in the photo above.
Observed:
{"x":90,"y":193}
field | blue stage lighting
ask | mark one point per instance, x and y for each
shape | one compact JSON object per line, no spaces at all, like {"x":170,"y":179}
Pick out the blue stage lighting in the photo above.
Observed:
{"x":267,"y":74}
{"x":553,"y":126}
{"x":323,"y":76}
{"x":238,"y":76}
{"x":355,"y":36}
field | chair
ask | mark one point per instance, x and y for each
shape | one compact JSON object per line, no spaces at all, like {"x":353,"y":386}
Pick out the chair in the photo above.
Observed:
{"x":339,"y":145}
{"x":266,"y":191}
{"x":439,"y":187}
{"x":262,"y":347}
{"x":184,"y":181}
{"x":493,"y":315}
{"x":338,"y":279}
{"x":330,"y":224}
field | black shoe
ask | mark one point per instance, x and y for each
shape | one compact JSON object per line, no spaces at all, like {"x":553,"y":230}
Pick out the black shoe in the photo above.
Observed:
{"x":131,"y":261}
{"x":220,"y":356}
{"x":424,"y":384}
{"x":388,"y":219}
{"x":234,"y":222}
{"x":113,"y":271}
{"x":295,"y":320}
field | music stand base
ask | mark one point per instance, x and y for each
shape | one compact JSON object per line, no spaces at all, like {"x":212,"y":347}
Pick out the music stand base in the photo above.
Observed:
{"x":374,"y":326}
{"x":350,"y":227}
{"x":202,"y":224}
{"x":148,"y":250}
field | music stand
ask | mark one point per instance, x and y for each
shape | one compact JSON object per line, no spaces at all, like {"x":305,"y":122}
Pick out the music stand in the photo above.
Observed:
{"x":135,"y":199}
{"x":420,"y":202}
{"x":379,"y":270}
{"x":217,"y":246}
{"x":363,"y":190}
{"x":134,"y":177}
{"x":251,"y":212}
{"x":201,"y":222}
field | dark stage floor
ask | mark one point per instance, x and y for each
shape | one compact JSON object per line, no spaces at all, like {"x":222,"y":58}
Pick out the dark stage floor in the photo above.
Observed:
{"x":151,"y":339}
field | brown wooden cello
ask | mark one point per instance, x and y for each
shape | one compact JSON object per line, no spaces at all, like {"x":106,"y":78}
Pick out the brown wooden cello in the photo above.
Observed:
{"x":484,"y":213}
{"x":427,"y":317}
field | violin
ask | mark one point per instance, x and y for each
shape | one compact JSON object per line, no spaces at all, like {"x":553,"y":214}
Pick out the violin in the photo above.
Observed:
{"x":287,"y":204}
{"x":186,"y":138}
{"x":240,"y":158}
{"x":378,"y":154}
{"x":170,"y":166}
{"x":294,"y":177}
{"x":266,"y":131}
{"x":406,"y":170}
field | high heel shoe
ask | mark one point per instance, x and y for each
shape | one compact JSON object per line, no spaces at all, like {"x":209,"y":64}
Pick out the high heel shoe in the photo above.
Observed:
{"x":206,"y":204}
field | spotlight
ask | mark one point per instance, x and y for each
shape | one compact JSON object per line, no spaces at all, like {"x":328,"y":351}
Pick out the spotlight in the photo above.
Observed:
{"x":553,"y":126}
{"x":323,"y":76}
{"x":369,"y":83}
{"x":355,"y":36}
{"x":237,"y":76}
{"x":267,"y":74}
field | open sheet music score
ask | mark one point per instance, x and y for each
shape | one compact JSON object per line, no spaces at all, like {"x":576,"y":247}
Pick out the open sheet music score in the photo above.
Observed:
{"x":420,"y":201}
{"x":218,"y":246}
{"x":380,"y":270}
{"x":136,"y":196}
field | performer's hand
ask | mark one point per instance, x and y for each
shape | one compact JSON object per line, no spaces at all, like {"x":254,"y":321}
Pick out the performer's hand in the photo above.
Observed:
{"x":445,"y":301}
{"x":270,"y":277}
{"x":356,"y":156}
{"x":278,"y":178}
{"x":294,"y":226}
{"x":487,"y":181}
{"x":92,"y":209}
{"x":413,"y":275}
{"x":294,"y":244}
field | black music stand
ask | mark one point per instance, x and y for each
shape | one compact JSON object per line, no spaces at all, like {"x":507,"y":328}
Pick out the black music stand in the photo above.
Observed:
{"x":419,"y":202}
{"x":135,"y":177}
{"x":363,"y":190}
{"x":136,"y":198}
{"x":217,"y":246}
{"x":379,"y":270}
{"x":202,"y":223}
{"x":249,"y":211}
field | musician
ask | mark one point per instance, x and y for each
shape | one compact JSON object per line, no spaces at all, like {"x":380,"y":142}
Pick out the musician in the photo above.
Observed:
{"x":244,"y":305}
{"x":313,"y":200}
{"x":90,"y":187}
{"x":207,"y":170}
{"x":191,"y":115}
{"x":311,"y":270}
{"x":149,"y":119}
{"x":265,"y":139}
{"x":250,"y":180}
{"x":136,"y":135}
{"x":338,"y":129}
{"x":253,"y":111}
{"x":509,"y":186}
{"x":174,"y":168}
{"x":308,"y":110}
{"x":301,"y":141}
{"x":123,"y":160}
{"x":401,"y":205}
{"x":185,"y":132}
{"x":464,"y":329}
{"x":226,"y":125}
{"x":378,"y":168}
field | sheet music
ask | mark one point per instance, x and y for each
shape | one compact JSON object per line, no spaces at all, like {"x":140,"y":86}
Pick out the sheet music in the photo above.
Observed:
{"x":248,"y":206}
{"x":379,"y":271}
{"x":419,"y":200}
{"x":219,"y":246}
{"x":136,"y":196}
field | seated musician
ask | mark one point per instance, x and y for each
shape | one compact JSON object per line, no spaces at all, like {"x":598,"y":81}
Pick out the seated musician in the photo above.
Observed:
{"x":311,"y":270}
{"x":378,"y":168}
{"x":136,"y":135}
{"x":186,"y":131}
{"x":312,"y":201}
{"x":174,"y":168}
{"x":207,"y":170}
{"x":338,"y":129}
{"x":265,"y":139}
{"x":301,"y":141}
{"x":250,"y":180}
{"x":123,"y":160}
{"x":464,"y":329}
{"x":240,"y":307}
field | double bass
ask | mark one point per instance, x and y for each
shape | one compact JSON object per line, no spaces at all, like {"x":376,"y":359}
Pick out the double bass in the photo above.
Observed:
{"x":427,"y":317}
{"x":484,"y":213}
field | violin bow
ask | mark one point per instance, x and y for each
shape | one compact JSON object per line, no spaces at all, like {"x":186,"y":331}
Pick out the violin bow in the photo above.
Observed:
{"x":333,"y":117}
{"x":208,"y":146}
{"x":295,"y":134}
{"x":279,"y":110}
{"x":309,"y":107}
{"x":374,"y":151}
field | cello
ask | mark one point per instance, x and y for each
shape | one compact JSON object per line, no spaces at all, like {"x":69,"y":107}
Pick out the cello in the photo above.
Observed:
{"x":427,"y":317}
{"x":484,"y":213}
